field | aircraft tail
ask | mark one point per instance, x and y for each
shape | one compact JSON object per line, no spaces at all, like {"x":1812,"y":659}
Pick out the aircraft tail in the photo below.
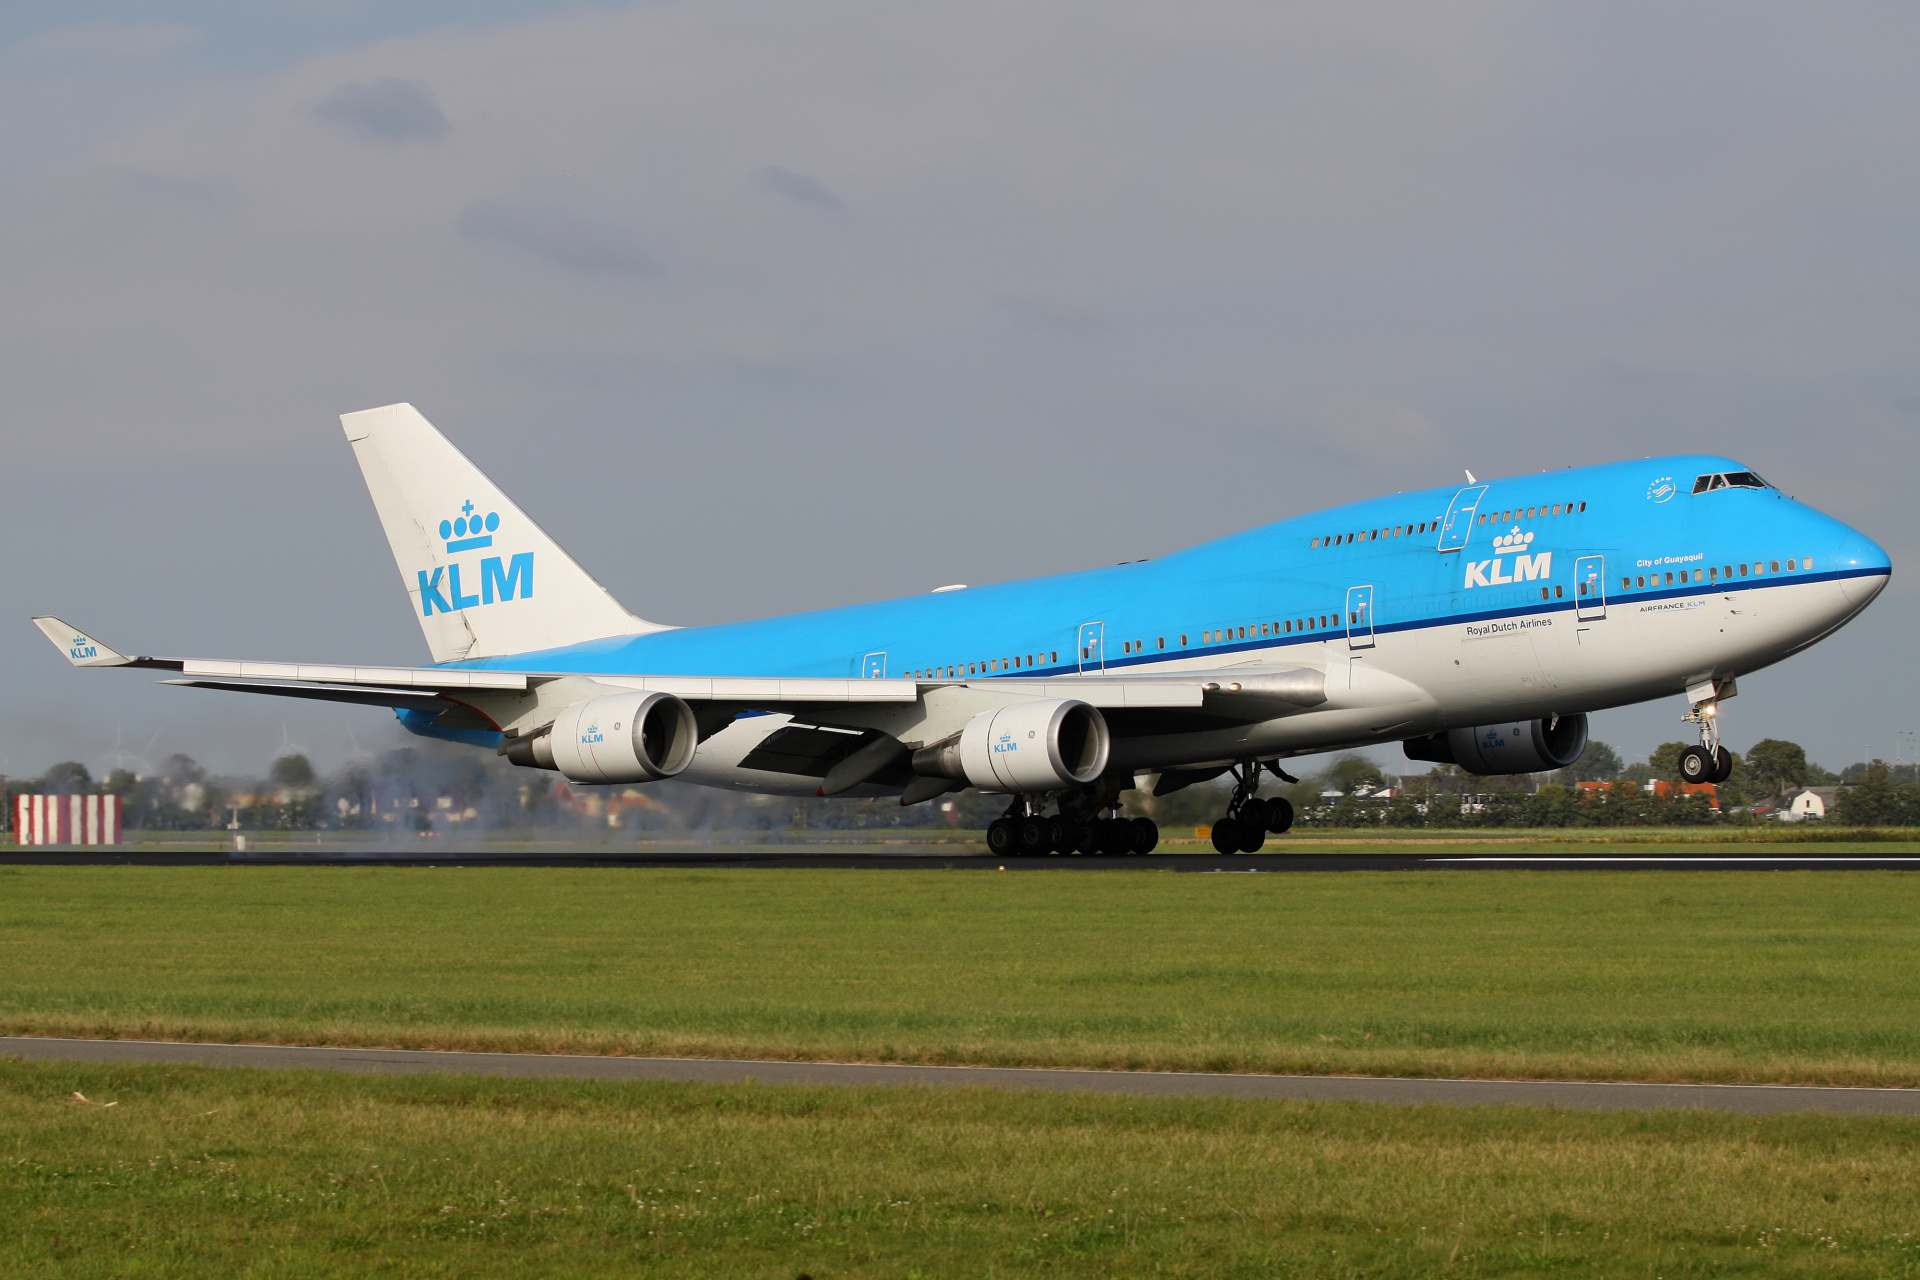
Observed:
{"x":485,"y":580}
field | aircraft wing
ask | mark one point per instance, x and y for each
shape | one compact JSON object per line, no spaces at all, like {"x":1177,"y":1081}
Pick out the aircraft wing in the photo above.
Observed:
{"x":421,"y":686}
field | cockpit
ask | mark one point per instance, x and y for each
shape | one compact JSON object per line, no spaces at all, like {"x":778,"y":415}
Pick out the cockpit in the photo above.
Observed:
{"x":1729,"y":480}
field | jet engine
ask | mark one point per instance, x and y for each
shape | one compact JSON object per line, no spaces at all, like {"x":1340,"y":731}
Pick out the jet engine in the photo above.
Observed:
{"x":622,"y":737}
{"x":1512,"y":746}
{"x":1023,"y":746}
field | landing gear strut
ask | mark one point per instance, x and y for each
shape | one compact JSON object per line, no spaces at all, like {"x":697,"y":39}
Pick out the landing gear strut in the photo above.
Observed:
{"x":1249,"y":818}
{"x":1708,"y":762}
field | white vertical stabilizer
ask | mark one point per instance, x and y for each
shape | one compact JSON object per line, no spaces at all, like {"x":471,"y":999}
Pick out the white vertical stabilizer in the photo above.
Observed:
{"x":485,"y":581}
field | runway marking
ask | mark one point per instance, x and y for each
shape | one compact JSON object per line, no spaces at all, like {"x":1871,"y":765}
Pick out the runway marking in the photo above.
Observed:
{"x":1572,"y":1095}
{"x":1822,"y":859}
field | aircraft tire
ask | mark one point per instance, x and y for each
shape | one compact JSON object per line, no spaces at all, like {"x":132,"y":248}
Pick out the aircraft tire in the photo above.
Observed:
{"x":1251,"y":838}
{"x":1060,"y":835}
{"x":1722,"y":764}
{"x":1279,"y":815}
{"x":1086,"y":837}
{"x":1146,"y":835}
{"x":1031,"y":835}
{"x":1000,"y":837}
{"x":1227,"y":835}
{"x":1116,"y":836}
{"x":1697,"y":766}
{"x":1254,"y":813}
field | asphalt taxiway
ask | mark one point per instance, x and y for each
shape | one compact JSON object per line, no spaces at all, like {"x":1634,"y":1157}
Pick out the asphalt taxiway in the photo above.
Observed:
{"x":934,"y":859}
{"x":1577,"y":1095}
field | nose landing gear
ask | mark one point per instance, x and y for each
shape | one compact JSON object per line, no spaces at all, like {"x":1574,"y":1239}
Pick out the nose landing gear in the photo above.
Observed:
{"x":1249,"y":818}
{"x":1708,"y":762}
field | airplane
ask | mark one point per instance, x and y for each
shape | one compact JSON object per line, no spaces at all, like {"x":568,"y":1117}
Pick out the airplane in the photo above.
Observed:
{"x":1476,"y":624}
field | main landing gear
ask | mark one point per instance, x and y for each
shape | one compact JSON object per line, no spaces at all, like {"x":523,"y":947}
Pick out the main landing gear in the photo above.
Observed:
{"x":1708,"y":762}
{"x":1023,"y":832}
{"x":1249,"y":818}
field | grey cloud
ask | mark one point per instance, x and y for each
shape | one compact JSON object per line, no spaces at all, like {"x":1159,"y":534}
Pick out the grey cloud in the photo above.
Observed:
{"x":214,"y":194}
{"x":1052,"y":317}
{"x":559,"y":235}
{"x":800,"y":188}
{"x":386,"y":110}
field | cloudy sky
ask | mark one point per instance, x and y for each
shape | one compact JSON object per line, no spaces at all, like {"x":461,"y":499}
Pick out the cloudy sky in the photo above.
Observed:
{"x":767,"y":306}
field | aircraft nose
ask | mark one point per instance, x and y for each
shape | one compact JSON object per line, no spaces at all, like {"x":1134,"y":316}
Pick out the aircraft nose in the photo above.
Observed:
{"x":1866,"y":564}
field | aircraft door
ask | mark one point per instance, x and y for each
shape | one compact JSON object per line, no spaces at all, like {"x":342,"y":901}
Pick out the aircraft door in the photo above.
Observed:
{"x":1590,"y":588}
{"x":1459,"y":522}
{"x":1093,"y":646}
{"x":874,"y":666}
{"x":1360,"y":617}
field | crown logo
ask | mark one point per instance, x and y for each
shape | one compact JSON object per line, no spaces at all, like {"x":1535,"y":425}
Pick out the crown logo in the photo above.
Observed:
{"x":1512,"y":541}
{"x":467,"y":531}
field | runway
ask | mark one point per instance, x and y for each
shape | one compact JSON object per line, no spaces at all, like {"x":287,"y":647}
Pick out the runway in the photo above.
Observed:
{"x":1566,"y":1095}
{"x":935,"y":859}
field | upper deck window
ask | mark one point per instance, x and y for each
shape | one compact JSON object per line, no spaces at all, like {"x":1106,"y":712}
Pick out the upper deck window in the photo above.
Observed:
{"x":1729,"y":480}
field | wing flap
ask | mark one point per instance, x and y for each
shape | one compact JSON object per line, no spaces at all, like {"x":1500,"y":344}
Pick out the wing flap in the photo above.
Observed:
{"x":369,"y":697}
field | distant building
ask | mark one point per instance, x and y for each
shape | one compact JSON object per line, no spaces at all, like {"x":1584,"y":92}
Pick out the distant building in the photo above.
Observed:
{"x":1810,"y":803}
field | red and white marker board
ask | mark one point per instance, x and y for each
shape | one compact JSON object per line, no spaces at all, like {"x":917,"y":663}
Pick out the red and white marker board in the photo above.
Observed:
{"x":66,"y":820}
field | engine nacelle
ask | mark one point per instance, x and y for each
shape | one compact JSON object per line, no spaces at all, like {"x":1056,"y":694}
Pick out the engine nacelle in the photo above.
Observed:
{"x":1024,"y":746}
{"x":624,"y":737}
{"x":1512,"y":746}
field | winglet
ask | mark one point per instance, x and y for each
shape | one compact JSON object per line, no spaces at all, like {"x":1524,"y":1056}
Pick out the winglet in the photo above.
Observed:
{"x":81,"y":649}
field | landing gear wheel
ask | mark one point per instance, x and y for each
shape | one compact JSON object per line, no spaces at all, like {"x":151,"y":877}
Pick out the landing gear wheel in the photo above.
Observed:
{"x":1059,"y":835}
{"x":1031,"y":835}
{"x":1086,"y":837}
{"x":1722,"y":764}
{"x":1146,"y":835}
{"x":1000,"y":837}
{"x":1697,"y":766}
{"x":1251,"y":838}
{"x":1116,"y":836}
{"x":1227,"y":835}
{"x":1255,"y":813}
{"x":1279,"y":815}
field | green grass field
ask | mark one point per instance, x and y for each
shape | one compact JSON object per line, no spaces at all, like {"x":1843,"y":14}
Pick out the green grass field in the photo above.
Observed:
{"x":197,"y":1172}
{"x":1782,"y":977}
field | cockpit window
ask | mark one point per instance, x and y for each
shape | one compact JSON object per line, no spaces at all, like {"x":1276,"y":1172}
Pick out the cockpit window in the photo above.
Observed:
{"x":1729,"y":480}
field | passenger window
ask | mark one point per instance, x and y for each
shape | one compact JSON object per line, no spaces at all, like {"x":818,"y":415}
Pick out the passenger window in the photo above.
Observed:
{"x":1583,"y":506}
{"x":1669,"y":579}
{"x":1183,"y":639}
{"x":1289,"y":627}
{"x":1558,"y":593}
{"x":1807,"y":563}
{"x":1743,"y":571}
{"x":1712,"y":572}
{"x":1789,"y":566}
{"x":1314,"y":543}
{"x":1641,"y":582}
{"x":1161,"y":642}
{"x":1773,"y":566}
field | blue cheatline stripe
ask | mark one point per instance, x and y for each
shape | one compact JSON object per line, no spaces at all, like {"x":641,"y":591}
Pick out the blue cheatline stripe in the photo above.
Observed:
{"x":1533,"y":609}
